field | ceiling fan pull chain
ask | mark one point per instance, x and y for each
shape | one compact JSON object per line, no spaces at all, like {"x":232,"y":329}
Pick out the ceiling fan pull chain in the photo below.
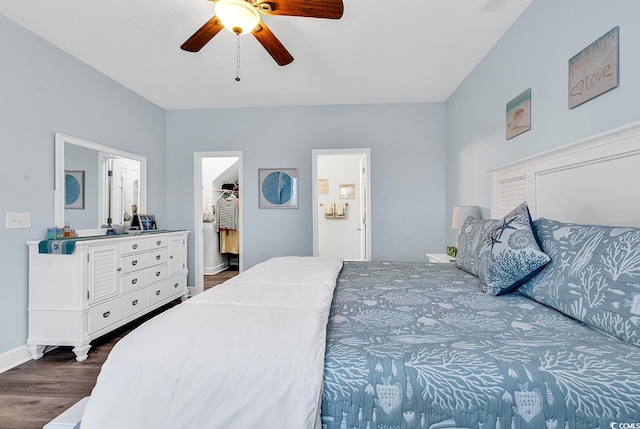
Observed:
{"x":238,"y":58}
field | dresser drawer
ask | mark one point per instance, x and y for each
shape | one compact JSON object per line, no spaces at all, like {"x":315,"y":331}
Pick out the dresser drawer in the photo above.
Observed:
{"x":132,"y":246}
{"x":113,"y":311}
{"x":157,"y":242}
{"x":141,"y":278}
{"x":171,"y":287}
{"x":141,"y":261}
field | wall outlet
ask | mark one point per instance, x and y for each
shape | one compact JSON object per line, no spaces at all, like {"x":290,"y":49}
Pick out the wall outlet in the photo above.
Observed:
{"x":18,"y":220}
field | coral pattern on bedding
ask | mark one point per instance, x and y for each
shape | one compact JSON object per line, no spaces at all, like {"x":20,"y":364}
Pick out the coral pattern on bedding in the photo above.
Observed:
{"x":417,"y":346}
{"x":594,"y":275}
{"x":475,"y":235}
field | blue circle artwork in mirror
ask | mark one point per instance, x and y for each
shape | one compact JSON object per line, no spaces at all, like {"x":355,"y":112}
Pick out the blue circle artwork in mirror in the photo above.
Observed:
{"x":71,"y":189}
{"x":277,"y":187}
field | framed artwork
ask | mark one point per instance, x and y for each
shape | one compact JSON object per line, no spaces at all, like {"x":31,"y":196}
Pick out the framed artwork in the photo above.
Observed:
{"x":594,"y":70}
{"x":348,"y":191}
{"x":144,"y":222}
{"x":74,"y":189}
{"x":278,"y":188}
{"x":519,"y":114}
{"x":323,"y":186}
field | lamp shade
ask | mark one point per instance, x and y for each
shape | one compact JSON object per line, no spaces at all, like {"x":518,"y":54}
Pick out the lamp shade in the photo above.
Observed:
{"x":237,"y":16}
{"x":461,"y":213}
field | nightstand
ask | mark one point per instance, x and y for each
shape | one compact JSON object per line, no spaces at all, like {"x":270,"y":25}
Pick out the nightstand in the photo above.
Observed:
{"x":439,"y":258}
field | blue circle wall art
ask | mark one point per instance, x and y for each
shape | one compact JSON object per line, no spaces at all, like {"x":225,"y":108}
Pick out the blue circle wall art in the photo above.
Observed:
{"x":278,"y":188}
{"x":73,"y":190}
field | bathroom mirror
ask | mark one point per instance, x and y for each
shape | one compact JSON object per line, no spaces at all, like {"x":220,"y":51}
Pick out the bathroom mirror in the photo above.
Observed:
{"x":96,"y":185}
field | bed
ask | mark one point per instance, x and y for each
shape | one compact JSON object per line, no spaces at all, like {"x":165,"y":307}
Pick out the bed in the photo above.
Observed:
{"x":547,"y":336}
{"x":421,"y":346}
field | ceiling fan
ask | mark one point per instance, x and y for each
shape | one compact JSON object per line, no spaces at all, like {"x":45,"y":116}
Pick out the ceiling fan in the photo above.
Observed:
{"x":243,"y":16}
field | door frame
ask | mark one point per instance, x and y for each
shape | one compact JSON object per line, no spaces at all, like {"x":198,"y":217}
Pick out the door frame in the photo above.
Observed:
{"x":198,"y":228}
{"x":366,"y":153}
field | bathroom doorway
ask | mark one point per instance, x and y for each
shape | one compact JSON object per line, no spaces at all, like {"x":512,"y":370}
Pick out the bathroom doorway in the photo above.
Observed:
{"x":342,"y":203}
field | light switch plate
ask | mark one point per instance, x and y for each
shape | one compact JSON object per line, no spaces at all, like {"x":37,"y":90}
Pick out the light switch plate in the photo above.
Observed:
{"x":18,"y":220}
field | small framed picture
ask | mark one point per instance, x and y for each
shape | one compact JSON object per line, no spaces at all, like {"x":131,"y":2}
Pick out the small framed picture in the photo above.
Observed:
{"x":278,"y":188}
{"x":519,"y":114}
{"x":74,"y":189}
{"x":347,"y":191}
{"x":323,"y":186}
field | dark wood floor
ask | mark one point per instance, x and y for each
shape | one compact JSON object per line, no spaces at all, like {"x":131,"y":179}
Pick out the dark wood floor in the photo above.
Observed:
{"x":34,"y":393}
{"x":215,"y":279}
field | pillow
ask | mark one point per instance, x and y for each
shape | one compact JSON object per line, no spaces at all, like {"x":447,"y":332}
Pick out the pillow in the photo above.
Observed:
{"x":594,"y":276}
{"x":474,"y":236}
{"x":512,"y":255}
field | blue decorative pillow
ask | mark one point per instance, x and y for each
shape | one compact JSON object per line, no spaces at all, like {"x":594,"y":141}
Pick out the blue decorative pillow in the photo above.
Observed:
{"x":474,"y":236}
{"x":594,"y":276}
{"x":511,"y":256}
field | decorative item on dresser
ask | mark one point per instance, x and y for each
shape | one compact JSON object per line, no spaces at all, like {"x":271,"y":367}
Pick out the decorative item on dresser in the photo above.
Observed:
{"x":82,"y":289}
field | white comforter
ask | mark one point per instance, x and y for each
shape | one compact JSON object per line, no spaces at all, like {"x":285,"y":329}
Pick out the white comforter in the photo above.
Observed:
{"x":246,"y":354}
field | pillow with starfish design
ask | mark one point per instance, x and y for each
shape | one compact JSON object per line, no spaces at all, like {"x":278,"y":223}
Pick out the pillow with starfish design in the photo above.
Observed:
{"x":511,"y":255}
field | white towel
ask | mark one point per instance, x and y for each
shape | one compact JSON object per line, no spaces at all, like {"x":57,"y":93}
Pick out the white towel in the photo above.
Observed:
{"x":328,"y":210}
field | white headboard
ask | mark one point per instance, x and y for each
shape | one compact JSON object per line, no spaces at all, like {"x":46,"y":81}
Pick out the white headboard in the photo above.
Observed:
{"x":592,"y":181}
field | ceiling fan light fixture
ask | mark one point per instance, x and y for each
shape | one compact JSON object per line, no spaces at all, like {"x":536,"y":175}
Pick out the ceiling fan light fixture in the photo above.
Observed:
{"x":237,"y":16}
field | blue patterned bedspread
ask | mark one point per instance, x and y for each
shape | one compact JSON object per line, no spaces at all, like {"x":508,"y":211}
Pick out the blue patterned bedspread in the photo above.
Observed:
{"x":413,"y":345}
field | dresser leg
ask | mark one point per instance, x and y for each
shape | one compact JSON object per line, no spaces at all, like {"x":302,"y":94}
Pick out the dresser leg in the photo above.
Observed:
{"x":81,"y":352}
{"x":36,"y":351}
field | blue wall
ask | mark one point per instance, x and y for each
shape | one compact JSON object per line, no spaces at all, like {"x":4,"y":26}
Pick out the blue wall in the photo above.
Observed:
{"x":407,"y":166}
{"x":43,"y":91}
{"x":534,"y":54}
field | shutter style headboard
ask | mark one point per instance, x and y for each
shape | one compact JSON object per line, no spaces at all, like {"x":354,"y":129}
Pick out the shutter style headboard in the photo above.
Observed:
{"x":592,"y":181}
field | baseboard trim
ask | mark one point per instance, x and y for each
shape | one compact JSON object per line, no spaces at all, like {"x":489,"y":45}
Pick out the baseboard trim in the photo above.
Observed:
{"x":208,"y":271}
{"x":192,"y":291}
{"x":12,"y":358}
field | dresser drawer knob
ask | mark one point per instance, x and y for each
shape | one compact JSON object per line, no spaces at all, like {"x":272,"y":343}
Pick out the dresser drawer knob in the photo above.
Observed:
{"x":158,"y":274}
{"x":158,"y":257}
{"x":134,"y":262}
{"x":134,"y":281}
{"x":106,"y":314}
{"x":175,"y":285}
{"x":119,"y":269}
{"x":158,"y":293}
{"x":135,"y":246}
{"x":134,"y":302}
{"x":159,"y":242}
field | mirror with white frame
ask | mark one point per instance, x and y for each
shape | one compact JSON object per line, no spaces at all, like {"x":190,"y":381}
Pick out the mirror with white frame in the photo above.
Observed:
{"x":96,"y":186}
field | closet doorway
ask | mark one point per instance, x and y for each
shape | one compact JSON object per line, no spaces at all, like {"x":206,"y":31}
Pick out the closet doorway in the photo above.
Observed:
{"x":342,"y":203}
{"x":217,"y":191}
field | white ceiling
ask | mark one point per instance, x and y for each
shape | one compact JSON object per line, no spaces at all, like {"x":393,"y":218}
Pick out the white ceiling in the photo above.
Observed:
{"x":379,"y":52}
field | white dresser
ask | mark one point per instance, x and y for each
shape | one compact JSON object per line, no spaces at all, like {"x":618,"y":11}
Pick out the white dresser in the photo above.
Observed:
{"x":105,"y":283}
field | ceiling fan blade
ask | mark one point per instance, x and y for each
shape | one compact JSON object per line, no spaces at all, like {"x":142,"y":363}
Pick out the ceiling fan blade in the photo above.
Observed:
{"x":272,"y":44}
{"x":203,"y":35}
{"x":330,"y":9}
